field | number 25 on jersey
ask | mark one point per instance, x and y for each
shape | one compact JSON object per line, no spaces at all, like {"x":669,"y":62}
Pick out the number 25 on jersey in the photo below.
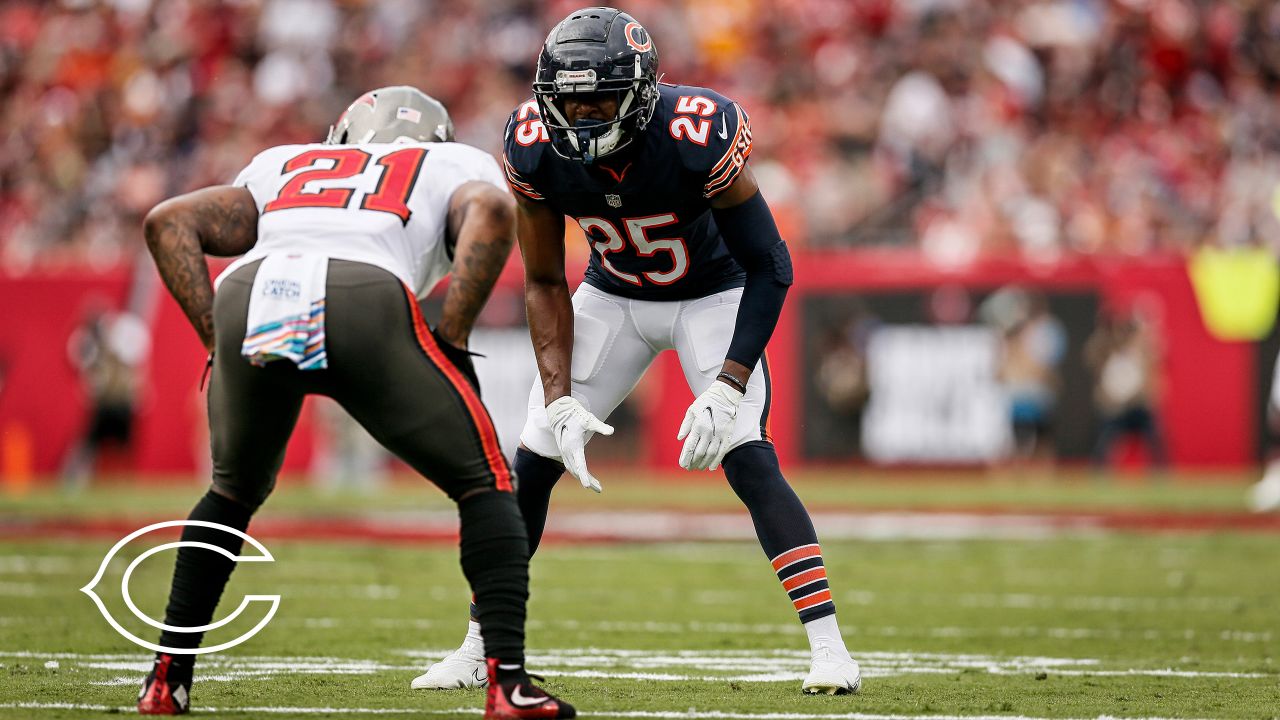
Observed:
{"x":399,"y":173}
{"x":685,"y":126}
{"x":638,"y":232}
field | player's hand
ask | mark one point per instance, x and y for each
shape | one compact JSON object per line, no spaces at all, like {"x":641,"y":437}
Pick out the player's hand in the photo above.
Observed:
{"x":707,"y":427}
{"x":460,"y":357}
{"x":573,"y":425}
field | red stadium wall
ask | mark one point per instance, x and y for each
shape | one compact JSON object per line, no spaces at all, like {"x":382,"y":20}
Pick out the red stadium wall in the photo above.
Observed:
{"x":1207,"y":405}
{"x":42,"y":398}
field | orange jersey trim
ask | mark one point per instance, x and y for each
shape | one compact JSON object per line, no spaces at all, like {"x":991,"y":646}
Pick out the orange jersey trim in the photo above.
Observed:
{"x":730,"y":165}
{"x":517,"y":184}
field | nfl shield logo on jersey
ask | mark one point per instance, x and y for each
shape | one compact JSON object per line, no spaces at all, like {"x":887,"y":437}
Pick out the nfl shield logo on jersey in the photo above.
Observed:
{"x":615,"y":201}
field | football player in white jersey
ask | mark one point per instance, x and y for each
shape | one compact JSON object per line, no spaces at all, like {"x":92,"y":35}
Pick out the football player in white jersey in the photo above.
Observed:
{"x":339,"y":240}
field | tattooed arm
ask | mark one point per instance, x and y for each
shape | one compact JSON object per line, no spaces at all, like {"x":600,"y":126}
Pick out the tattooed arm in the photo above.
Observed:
{"x":220,"y":221}
{"x":482,"y":229}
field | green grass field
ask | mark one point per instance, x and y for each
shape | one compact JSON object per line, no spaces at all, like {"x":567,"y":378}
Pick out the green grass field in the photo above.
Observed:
{"x":1074,"y":624}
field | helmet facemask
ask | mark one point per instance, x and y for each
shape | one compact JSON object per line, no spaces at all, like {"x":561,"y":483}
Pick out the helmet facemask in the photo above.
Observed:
{"x":587,"y":140}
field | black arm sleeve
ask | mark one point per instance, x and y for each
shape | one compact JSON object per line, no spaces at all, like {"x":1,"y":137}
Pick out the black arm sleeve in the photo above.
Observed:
{"x":752,"y":238}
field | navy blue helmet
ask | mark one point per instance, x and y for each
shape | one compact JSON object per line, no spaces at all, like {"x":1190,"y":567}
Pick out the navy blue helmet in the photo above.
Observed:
{"x":597,"y":50}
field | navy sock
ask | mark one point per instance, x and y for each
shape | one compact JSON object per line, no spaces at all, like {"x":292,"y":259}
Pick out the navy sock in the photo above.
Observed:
{"x":783,"y":526}
{"x":536,"y":477}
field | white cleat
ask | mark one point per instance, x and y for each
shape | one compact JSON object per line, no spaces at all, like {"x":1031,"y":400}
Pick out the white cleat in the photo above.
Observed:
{"x":831,"y":674}
{"x":1264,"y":496}
{"x":463,"y":668}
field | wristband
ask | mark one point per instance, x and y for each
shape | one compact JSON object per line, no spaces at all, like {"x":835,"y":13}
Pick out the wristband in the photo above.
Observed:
{"x":733,"y":382}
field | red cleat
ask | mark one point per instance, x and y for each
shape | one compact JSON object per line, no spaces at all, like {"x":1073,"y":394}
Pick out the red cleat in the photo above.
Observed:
{"x":167,"y":690}
{"x":521,"y":699}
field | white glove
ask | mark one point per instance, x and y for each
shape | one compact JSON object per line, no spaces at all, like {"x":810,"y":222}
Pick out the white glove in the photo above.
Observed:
{"x":707,"y":425}
{"x":573,"y":425}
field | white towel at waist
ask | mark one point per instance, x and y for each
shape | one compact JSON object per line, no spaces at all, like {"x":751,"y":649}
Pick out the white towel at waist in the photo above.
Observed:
{"x":286,"y":311}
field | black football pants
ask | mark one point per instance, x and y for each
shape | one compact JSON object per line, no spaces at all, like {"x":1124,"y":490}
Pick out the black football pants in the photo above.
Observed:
{"x":386,"y":370}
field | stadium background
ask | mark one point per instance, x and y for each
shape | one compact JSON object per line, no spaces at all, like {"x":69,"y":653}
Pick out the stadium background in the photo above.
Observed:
{"x":1018,"y":226}
{"x":920,"y":157}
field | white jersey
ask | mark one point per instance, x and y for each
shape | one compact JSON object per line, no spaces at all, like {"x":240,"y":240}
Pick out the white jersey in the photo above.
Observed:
{"x":385,"y":204}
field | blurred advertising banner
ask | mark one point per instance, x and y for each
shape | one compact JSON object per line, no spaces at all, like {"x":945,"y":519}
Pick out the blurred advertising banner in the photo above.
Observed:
{"x":934,"y":395}
{"x":948,"y":375}
{"x":879,"y":357}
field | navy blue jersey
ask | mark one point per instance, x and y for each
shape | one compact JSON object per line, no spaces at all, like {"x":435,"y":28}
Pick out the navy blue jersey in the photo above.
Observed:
{"x":649,"y":222}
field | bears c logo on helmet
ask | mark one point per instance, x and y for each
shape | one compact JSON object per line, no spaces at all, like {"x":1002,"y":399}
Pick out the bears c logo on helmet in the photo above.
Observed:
{"x":637,"y":37}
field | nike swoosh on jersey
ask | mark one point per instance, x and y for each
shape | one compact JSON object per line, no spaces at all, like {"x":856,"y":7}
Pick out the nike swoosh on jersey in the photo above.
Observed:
{"x":520,"y":700}
{"x":724,"y":128}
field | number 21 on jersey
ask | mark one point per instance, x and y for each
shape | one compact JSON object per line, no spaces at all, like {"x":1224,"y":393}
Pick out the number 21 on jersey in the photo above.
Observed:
{"x":399,"y":173}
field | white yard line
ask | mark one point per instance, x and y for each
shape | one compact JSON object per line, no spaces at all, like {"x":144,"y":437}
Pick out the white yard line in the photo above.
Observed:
{"x":36,"y":565}
{"x":745,"y":666}
{"x":1167,"y":672}
{"x":657,"y":714}
{"x":18,"y":589}
{"x":657,"y":525}
{"x":945,"y":631}
{"x":717,"y":715}
{"x":1099,"y":603}
{"x":666,"y":525}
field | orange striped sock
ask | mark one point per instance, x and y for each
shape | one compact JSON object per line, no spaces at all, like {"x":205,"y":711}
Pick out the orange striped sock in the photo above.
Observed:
{"x":804,"y":578}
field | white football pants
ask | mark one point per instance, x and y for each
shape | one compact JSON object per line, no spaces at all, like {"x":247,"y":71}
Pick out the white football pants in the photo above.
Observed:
{"x":615,"y":339}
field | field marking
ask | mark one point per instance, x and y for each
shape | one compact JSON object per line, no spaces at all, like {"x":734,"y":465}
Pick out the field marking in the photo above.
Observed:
{"x":637,"y":526}
{"x":36,"y":565}
{"x":943,"y":631}
{"x":785,"y":629}
{"x":746,"y":666}
{"x":656,"y":714}
{"x":666,"y":525}
{"x":1101,"y":603}
{"x":18,"y":589}
{"x":718,"y":715}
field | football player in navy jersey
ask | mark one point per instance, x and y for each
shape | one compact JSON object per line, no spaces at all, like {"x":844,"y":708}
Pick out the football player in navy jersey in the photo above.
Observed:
{"x":685,"y":256}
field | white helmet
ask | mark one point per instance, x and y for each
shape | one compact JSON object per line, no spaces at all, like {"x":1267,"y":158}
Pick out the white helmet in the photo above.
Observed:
{"x":392,"y":114}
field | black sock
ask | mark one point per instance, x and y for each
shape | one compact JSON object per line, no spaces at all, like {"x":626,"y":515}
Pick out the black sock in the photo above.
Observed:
{"x":783,"y":526}
{"x":495,"y":559}
{"x":536,"y":476}
{"x":199,"y":575}
{"x":510,"y":673}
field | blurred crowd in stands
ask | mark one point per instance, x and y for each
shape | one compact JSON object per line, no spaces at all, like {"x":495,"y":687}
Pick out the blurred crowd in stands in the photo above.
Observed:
{"x":962,"y":127}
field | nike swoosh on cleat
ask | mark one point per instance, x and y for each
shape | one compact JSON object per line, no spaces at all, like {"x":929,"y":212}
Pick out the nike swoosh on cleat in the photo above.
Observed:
{"x":520,"y":700}
{"x":724,"y":128}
